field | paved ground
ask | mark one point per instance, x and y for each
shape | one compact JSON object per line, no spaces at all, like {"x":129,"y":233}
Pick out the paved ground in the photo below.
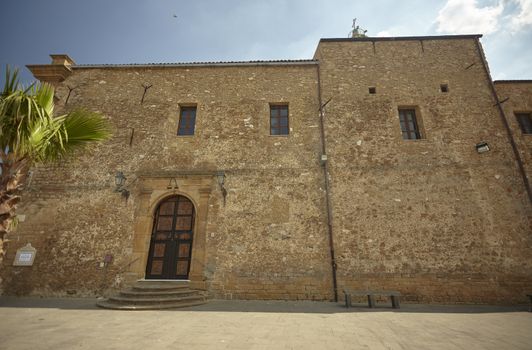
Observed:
{"x":30,"y":323}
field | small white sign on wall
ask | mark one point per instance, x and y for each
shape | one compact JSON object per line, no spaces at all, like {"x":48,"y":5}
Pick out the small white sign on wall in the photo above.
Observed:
{"x":25,"y":256}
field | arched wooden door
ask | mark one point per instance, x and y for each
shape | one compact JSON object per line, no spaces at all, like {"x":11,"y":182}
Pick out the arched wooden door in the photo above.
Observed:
{"x":171,"y":239}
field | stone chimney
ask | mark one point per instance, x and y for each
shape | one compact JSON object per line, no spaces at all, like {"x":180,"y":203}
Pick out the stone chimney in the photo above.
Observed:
{"x":54,"y":73}
{"x":62,"y":59}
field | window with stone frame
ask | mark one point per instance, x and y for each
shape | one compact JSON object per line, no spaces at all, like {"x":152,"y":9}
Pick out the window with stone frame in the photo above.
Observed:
{"x":409,"y":124}
{"x":187,"y":121}
{"x":525,"y":122}
{"x":279,"y":119}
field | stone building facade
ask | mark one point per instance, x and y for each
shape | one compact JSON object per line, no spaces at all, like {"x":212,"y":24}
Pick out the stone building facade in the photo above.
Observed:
{"x":359,"y":168}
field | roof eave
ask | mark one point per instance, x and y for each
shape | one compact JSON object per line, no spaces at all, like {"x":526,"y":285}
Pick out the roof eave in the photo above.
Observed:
{"x":201,"y":64}
{"x":518,"y":81}
{"x":404,"y":38}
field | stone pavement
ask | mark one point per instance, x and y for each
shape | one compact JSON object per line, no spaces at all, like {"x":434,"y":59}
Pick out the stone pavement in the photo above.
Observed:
{"x":33,"y":323}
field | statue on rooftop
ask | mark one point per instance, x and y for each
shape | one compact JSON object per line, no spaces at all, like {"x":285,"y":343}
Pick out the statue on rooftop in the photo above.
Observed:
{"x":357,"y":32}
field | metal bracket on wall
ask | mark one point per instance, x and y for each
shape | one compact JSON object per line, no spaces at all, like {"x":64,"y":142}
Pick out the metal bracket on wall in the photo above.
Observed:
{"x":172,"y":185}
{"x":501,"y":102}
{"x":220,"y":176}
{"x":146,"y":87}
{"x":70,"y":89}
{"x":131,"y":137}
{"x":325,"y":104}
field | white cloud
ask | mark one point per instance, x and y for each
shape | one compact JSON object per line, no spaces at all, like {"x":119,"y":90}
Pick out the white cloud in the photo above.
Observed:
{"x":524,"y":18}
{"x":465,"y":16}
{"x":385,"y":33}
{"x":500,"y":76}
{"x":395,"y":31}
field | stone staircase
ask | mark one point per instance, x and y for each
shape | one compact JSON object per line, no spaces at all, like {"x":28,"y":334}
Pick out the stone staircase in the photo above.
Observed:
{"x":154,"y":295}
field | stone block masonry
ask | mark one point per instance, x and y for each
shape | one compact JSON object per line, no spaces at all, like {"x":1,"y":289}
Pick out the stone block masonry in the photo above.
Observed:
{"x":430,"y":217}
{"x":516,"y":97}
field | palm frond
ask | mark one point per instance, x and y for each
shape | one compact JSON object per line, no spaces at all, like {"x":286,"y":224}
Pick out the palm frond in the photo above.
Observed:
{"x":44,"y":94}
{"x":83,"y":126}
{"x":18,"y":112}
{"x":11,"y":83}
{"x":72,"y":132}
{"x":29,"y":130}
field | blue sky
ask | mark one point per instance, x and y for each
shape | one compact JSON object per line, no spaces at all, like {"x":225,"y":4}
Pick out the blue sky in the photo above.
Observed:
{"x":142,"y":31}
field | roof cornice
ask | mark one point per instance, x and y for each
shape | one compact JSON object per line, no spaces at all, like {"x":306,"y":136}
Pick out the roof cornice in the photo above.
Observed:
{"x":520,"y":81}
{"x":202,"y":64}
{"x":403,"y":38}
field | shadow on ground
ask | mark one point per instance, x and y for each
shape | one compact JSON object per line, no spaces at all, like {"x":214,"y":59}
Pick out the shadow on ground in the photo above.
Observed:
{"x":264,"y":306}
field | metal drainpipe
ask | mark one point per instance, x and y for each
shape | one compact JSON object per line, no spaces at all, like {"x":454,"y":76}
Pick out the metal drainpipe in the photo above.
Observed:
{"x":505,"y":122}
{"x":327,"y":190}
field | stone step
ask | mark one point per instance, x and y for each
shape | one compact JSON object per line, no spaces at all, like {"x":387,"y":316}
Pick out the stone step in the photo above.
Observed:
{"x":159,"y":285}
{"x":164,"y":282}
{"x":109,"y":305}
{"x":159,"y":293}
{"x":154,"y":288}
{"x":154,"y":295}
{"x":154,"y":300}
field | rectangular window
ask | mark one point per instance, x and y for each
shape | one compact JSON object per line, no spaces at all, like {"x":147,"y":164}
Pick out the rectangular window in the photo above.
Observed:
{"x":525,"y":122}
{"x":187,"y":121}
{"x":409,"y":124}
{"x":278,"y":119}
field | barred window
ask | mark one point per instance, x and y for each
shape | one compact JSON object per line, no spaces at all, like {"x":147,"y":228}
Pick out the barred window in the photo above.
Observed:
{"x":278,"y":119}
{"x":409,"y":124}
{"x":525,"y":122}
{"x":187,"y":121}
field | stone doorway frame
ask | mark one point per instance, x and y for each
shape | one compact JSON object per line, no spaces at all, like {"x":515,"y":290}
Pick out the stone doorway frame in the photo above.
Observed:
{"x":155,"y":187}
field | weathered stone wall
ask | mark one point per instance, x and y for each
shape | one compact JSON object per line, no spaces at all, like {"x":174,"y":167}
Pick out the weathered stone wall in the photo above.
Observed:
{"x":518,"y":99}
{"x":432,"y":217}
{"x":267,"y":241}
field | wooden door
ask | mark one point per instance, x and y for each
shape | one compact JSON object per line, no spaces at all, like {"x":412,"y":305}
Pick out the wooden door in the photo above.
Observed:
{"x":171,"y":239}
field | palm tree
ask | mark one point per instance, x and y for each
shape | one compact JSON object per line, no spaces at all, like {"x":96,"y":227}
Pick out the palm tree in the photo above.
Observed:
{"x":30,"y":134}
